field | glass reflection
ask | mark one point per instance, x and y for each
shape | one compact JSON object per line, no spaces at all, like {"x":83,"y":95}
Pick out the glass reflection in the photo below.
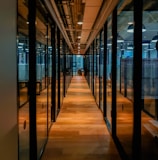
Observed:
{"x":49,"y":84}
{"x":109,"y":71}
{"x":150,"y":81}
{"x":101,"y":49}
{"x":124,"y":94}
{"x":97,"y":68}
{"x":91,"y":67}
{"x":23,"y":78}
{"x":42,"y":78}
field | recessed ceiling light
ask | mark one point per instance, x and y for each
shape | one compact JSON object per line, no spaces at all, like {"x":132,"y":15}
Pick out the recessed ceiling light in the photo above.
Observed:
{"x":80,"y":23}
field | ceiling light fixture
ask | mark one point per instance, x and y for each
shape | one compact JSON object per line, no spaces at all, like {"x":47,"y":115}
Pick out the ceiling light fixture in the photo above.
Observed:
{"x":145,"y":42}
{"x":155,"y":38}
{"x":119,"y":39}
{"x":80,"y":20}
{"x":130,"y":28}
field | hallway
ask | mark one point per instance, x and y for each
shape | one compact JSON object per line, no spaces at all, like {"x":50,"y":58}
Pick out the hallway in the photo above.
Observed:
{"x":80,"y":132}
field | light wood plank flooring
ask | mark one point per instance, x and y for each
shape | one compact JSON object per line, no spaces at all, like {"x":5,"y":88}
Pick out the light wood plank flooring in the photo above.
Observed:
{"x":80,"y":132}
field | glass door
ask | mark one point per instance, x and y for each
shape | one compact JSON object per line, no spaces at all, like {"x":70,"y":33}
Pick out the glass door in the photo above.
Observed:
{"x":124,"y":78}
{"x":109,"y":71}
{"x":149,"y":115}
{"x":23,"y":79}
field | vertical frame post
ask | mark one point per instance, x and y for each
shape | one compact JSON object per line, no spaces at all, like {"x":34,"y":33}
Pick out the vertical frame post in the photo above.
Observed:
{"x":105,"y":71}
{"x":114,"y":55}
{"x":53,"y":88}
{"x":137,"y":78}
{"x":58,"y":46}
{"x":32,"y":78}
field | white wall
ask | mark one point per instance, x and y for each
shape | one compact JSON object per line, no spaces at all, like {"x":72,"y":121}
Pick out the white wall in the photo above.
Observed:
{"x":8,"y":88}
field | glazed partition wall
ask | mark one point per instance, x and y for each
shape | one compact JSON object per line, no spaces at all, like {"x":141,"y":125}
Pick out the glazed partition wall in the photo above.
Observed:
{"x":95,"y":69}
{"x":23,"y":79}
{"x":88,"y":67}
{"x":91,"y":68}
{"x":93,"y":65}
{"x":149,"y":116}
{"x":97,"y":74}
{"x":77,"y":64}
{"x":56,"y":73}
{"x":74,"y":65}
{"x":43,"y":79}
{"x":34,"y":64}
{"x":101,"y":70}
{"x":68,"y":69}
{"x":109,"y":72}
{"x":23,"y":98}
{"x":61,"y":69}
{"x":124,"y":78}
{"x":130,"y":64}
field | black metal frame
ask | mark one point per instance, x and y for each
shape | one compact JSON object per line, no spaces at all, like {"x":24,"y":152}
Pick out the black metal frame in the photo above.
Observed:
{"x":64,"y":68}
{"x":105,"y":71}
{"x":53,"y":87}
{"x":114,"y":58}
{"x":32,"y":79}
{"x":93,"y":69}
{"x":58,"y":48}
{"x":137,"y":79}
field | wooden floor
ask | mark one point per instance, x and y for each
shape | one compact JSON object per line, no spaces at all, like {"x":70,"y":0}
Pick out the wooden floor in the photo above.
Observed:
{"x":80,"y":132}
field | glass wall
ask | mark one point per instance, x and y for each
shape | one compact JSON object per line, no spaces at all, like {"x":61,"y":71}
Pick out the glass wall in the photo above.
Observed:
{"x":150,"y":81}
{"x":95,"y":69}
{"x":57,"y":73}
{"x":74,"y":65}
{"x":124,"y":94}
{"x":43,"y":105}
{"x":97,"y":49}
{"x":91,"y":67}
{"x":109,"y":71}
{"x":61,"y":69}
{"x":101,"y":50}
{"x":77,"y":64}
{"x":68,"y":70}
{"x":49,"y":80}
{"x":23,"y":78}
{"x":43,"y":79}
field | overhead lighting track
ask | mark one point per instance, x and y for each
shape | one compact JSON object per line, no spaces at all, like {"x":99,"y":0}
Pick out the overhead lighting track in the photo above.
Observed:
{"x":57,"y":18}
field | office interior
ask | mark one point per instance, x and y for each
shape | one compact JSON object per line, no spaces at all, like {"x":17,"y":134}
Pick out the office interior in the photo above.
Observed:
{"x":115,"y":49}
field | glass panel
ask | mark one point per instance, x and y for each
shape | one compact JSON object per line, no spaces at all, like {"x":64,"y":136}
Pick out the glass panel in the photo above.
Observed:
{"x":74,"y":66}
{"x":109,"y":71}
{"x":61,"y":72}
{"x":23,"y":78}
{"x":68,"y":69}
{"x":124,"y":94}
{"x":101,"y":69}
{"x":56,"y":40}
{"x":150,"y":81}
{"x":79,"y":64}
{"x":49,"y":79}
{"x":42,"y":43}
{"x":91,"y":67}
{"x":97,"y":69}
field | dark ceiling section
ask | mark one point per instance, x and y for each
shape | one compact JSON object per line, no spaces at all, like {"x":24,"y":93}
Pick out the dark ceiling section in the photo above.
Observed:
{"x":42,"y":19}
{"x":70,"y":11}
{"x":152,"y":6}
